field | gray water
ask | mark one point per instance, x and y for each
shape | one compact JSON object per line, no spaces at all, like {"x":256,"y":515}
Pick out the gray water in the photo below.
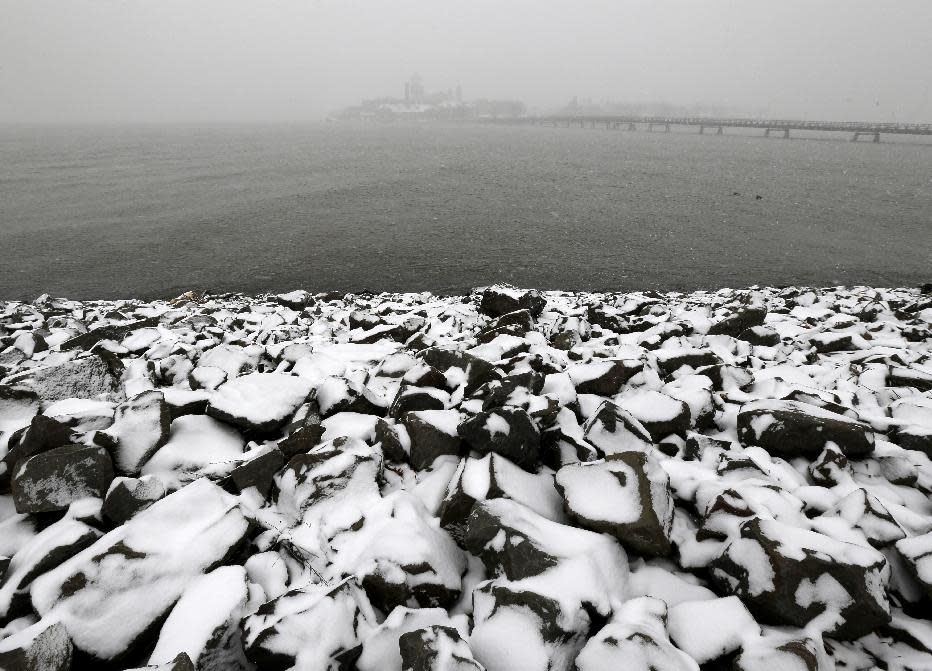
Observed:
{"x":98,"y":212}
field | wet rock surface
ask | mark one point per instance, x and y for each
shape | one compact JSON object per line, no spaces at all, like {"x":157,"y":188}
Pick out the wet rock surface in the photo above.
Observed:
{"x":512,"y":480}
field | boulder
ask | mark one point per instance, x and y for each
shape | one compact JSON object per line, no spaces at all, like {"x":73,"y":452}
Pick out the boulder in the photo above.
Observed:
{"x":517,"y":629}
{"x":501,"y":299}
{"x":128,"y":496}
{"x":627,"y":495}
{"x":782,"y":651}
{"x":198,"y":446}
{"x":54,"y":479}
{"x":613,"y":430}
{"x":117,"y":332}
{"x":381,"y":651}
{"x":204,"y":624}
{"x":660,"y":414}
{"x":865,"y":512}
{"x":790,"y":429}
{"x":46,"y":550}
{"x":432,"y":434}
{"x":43,"y":433}
{"x":400,"y":556}
{"x":509,"y":432}
{"x":710,"y":629}
{"x":259,"y":402}
{"x":764,"y":336}
{"x":328,"y":491}
{"x":86,"y":377}
{"x":181,"y":662}
{"x":43,"y":646}
{"x":316,"y":627}
{"x":605,"y":377}
{"x":636,"y":639}
{"x":140,"y":427}
{"x":574,"y":565}
{"x":790,"y":576}
{"x":112,"y":594}
{"x":493,"y":477}
{"x":917,"y":553}
{"x":738,"y":321}
{"x":258,"y":470}
{"x":436,"y":648}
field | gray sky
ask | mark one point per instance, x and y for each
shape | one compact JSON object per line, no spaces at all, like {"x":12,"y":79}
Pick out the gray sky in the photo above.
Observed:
{"x":256,"y":60}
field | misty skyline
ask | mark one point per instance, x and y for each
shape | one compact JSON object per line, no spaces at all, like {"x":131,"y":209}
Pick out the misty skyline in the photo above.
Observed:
{"x":230,"y":60}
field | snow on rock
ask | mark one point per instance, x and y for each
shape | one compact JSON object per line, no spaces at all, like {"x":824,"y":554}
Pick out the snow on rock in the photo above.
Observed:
{"x":315,"y":628}
{"x":43,"y":646}
{"x":509,"y":432}
{"x":635,"y":638}
{"x":46,"y":550}
{"x":128,"y":496}
{"x":792,"y":576}
{"x":204,"y":624}
{"x":570,"y":566}
{"x":917,"y":552}
{"x":401,"y":556}
{"x":707,"y":630}
{"x":436,"y":648}
{"x":626,"y":495}
{"x":381,"y":650}
{"x":197,"y":446}
{"x":455,"y":482}
{"x":110,"y":594}
{"x":260,"y":402}
{"x":140,"y":427}
{"x":493,"y":476}
{"x":612,"y":430}
{"x":432,"y":434}
{"x":502,"y":299}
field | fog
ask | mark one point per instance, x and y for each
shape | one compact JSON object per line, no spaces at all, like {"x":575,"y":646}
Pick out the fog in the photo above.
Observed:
{"x":237,"y":60}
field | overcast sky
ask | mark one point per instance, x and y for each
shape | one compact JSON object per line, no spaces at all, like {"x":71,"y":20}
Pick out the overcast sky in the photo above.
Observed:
{"x":256,"y":60}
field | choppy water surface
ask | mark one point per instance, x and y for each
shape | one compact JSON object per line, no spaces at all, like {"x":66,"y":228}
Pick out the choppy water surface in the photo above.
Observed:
{"x":152,"y":211}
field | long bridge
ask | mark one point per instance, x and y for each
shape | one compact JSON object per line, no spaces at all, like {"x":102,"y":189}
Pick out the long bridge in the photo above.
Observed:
{"x":858,"y":129}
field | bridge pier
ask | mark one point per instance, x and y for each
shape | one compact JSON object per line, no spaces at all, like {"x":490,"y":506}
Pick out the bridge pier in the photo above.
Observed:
{"x":858,"y":134}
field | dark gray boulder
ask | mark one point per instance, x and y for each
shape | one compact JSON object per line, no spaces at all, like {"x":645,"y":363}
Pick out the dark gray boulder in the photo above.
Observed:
{"x":128,"y":496}
{"x":140,"y":427}
{"x":627,"y":496}
{"x":790,"y":576}
{"x":500,"y":300}
{"x":436,"y":648}
{"x":433,"y":433}
{"x":791,"y":429}
{"x":43,"y":433}
{"x":318,"y":627}
{"x":509,"y":432}
{"x":52,"y":480}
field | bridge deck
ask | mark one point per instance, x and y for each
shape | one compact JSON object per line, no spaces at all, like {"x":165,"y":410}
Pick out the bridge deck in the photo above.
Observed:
{"x":773,"y":124}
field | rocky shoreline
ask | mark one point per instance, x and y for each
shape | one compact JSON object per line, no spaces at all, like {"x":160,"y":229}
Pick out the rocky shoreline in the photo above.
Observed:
{"x":511,"y":480}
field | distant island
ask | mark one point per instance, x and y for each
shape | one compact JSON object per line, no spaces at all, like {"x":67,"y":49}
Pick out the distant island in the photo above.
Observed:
{"x":419,"y":104}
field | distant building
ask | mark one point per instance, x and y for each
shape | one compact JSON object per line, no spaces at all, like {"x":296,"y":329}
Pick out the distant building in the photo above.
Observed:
{"x":414,"y":89}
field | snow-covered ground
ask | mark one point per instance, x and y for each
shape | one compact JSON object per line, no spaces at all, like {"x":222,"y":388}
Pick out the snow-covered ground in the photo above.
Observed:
{"x":510,"y":481}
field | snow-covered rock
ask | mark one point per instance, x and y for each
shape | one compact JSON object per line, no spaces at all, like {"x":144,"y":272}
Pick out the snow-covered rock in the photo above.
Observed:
{"x":626,"y":495}
{"x":110,"y":594}
{"x":396,"y":462}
